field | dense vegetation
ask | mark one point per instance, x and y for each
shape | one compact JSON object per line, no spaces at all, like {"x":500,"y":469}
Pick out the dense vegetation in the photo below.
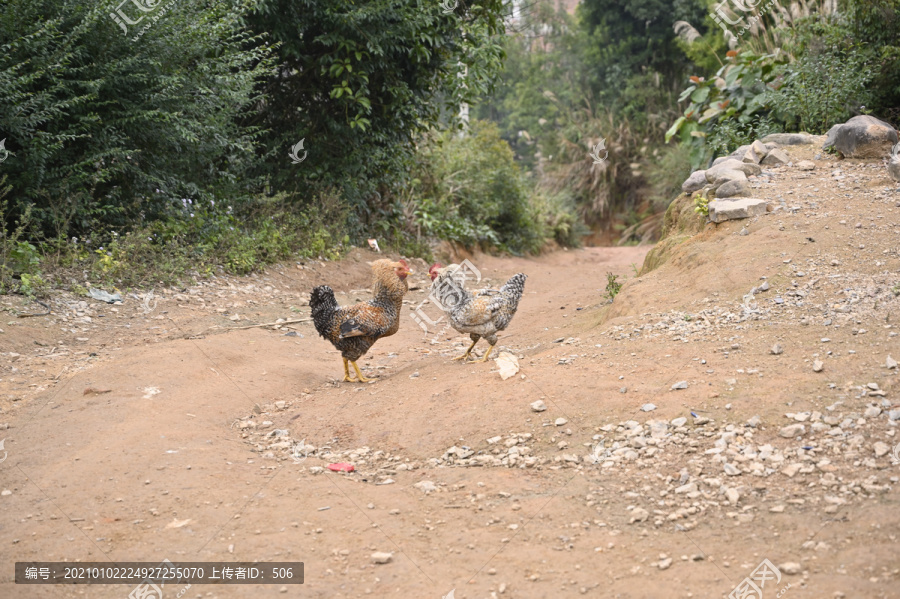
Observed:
{"x":167,"y":140}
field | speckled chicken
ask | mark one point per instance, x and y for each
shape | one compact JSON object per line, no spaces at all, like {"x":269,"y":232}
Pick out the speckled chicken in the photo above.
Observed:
{"x":354,"y":329}
{"x":894,"y":163}
{"x":480,"y":314}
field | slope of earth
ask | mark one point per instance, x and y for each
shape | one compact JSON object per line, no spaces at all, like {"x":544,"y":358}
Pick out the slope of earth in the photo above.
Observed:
{"x":661,"y":446}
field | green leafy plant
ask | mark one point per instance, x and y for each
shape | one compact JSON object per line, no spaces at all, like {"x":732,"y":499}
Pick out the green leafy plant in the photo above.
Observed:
{"x":828,"y":83}
{"x":613,"y":286}
{"x":701,"y":205}
{"x":739,"y":94}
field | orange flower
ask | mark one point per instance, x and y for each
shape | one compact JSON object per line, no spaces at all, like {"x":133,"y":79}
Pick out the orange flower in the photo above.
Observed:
{"x":724,"y":105}
{"x":731,"y":53}
{"x":689,"y":114}
{"x":695,"y":79}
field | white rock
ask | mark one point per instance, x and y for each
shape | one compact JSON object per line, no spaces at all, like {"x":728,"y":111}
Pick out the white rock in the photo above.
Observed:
{"x":507,"y":365}
{"x":664,"y":564}
{"x":792,"y":430}
{"x":790,"y":470}
{"x":687,"y":488}
{"x":790,"y":568}
{"x":538,"y":406}
{"x":722,"y":210}
{"x":818,"y":366}
{"x":890,"y":363}
{"x":681,"y":421}
{"x":426,"y":486}
{"x":639,"y":514}
{"x":881,"y":449}
{"x":648,"y":407}
{"x":733,"y":495}
{"x":680,"y":385}
{"x":560,"y":421}
{"x":730,"y":469}
{"x":380,"y":557}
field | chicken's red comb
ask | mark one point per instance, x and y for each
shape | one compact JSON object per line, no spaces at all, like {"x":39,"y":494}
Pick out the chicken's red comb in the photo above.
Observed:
{"x":435,"y":266}
{"x":404,"y":263}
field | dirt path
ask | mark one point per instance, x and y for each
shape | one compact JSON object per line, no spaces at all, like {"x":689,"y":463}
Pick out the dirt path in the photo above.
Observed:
{"x":143,"y":437}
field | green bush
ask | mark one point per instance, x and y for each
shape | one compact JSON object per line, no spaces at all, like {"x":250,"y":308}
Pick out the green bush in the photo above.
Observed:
{"x":828,"y":83}
{"x":360,"y":81}
{"x":106,"y":129}
{"x":737,"y":101}
{"x":471,"y":191}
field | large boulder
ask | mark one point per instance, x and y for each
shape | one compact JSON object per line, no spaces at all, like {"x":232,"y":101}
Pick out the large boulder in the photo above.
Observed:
{"x":775,"y":157}
{"x":735,"y":187}
{"x":790,"y":139}
{"x":864,"y":136}
{"x":732,"y":164}
{"x":722,"y":210}
{"x":695,"y":182}
{"x":829,"y":137}
{"x":755,"y":153}
{"x":739,"y":153}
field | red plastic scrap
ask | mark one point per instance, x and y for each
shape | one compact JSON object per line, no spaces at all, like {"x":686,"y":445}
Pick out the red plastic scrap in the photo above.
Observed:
{"x":341,"y":467}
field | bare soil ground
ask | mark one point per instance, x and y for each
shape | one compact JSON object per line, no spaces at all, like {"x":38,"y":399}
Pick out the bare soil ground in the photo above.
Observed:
{"x":158,"y":429}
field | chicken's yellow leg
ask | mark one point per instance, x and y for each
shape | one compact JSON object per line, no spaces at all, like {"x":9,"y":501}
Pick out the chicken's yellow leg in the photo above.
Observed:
{"x":347,"y":378}
{"x":486,"y":354}
{"x":468,"y":352}
{"x":359,"y":374}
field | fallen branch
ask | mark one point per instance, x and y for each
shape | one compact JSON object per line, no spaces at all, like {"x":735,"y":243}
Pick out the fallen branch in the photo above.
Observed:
{"x":267,"y":324}
{"x":28,"y":315}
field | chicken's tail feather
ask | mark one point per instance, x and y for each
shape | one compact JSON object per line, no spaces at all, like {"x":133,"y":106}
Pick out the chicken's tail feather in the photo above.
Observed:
{"x":322,"y":305}
{"x":514,"y":288}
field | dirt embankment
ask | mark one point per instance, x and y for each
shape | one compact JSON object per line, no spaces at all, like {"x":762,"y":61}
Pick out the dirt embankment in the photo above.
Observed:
{"x":692,"y":428}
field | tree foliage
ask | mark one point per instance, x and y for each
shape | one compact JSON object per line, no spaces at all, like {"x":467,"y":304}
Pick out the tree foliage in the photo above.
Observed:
{"x":108,"y":129}
{"x":359,"y":81}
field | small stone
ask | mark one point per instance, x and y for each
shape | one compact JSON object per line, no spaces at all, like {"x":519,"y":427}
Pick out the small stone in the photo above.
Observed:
{"x":648,"y":407}
{"x":777,"y":350}
{"x":688,"y":488}
{"x":775,"y":157}
{"x":732,"y":495}
{"x":792,"y":430}
{"x":791,"y":470}
{"x":777,"y":509}
{"x":754,"y":422}
{"x":818,"y":366}
{"x":280,"y":404}
{"x":538,"y":406}
{"x":894,"y":415}
{"x":680,"y":385}
{"x":639,"y":514}
{"x":5,"y":492}
{"x":560,"y":421}
{"x":890,"y":363}
{"x":730,"y":469}
{"x":881,"y":449}
{"x":681,"y":421}
{"x":806,"y":165}
{"x":744,"y":231}
{"x":380,"y":557}
{"x":790,"y":568}
{"x":664,"y":564}
{"x":426,"y":486}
